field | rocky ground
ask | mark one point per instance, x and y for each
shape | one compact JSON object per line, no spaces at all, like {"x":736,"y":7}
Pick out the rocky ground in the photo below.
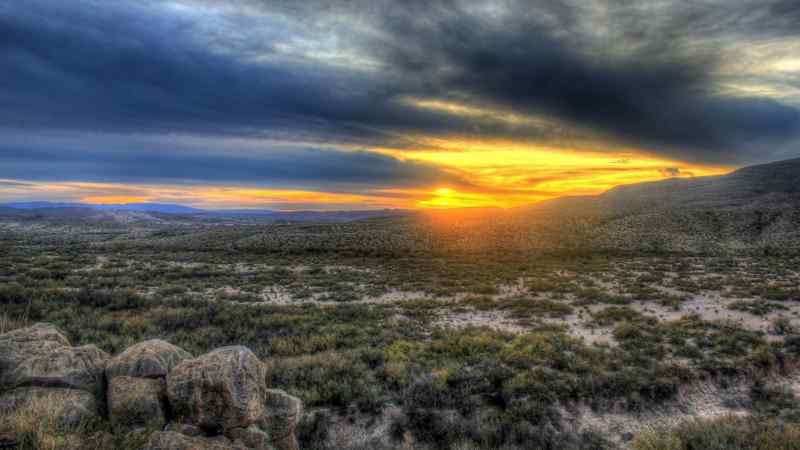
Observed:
{"x":153,"y":391}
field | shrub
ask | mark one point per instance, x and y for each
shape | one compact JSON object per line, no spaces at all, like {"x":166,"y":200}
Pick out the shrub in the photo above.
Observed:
{"x":782,"y":325}
{"x":726,"y":433}
{"x":614,"y":314}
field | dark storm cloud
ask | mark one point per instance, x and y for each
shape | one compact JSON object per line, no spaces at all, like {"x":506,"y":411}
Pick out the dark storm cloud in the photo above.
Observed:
{"x":640,"y":73}
{"x":661,"y":96}
{"x":114,"y":67}
{"x":309,"y":168}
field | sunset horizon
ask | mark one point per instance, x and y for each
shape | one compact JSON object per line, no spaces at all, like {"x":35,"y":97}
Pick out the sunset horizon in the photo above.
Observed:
{"x":290,"y":106}
{"x":438,"y":197}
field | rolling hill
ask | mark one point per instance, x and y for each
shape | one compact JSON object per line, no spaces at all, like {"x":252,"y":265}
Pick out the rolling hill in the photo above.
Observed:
{"x":756,"y":208}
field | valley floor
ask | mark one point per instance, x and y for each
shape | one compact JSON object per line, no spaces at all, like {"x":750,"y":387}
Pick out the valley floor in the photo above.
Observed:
{"x":460,"y":350}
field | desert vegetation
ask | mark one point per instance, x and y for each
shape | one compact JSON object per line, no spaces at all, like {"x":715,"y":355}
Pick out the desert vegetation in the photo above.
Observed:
{"x":392,"y":341}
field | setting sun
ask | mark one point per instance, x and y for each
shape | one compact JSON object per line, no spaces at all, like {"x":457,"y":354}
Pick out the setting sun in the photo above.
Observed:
{"x":444,"y":192}
{"x":501,"y":174}
{"x":112,"y":199}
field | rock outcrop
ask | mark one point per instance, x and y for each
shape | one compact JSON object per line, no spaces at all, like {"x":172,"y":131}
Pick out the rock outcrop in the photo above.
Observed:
{"x":216,"y":401}
{"x":38,"y":362}
{"x":282,"y":414}
{"x":27,"y":340}
{"x":170,"y":440}
{"x":149,"y":359}
{"x":78,"y":368}
{"x":219,"y":391}
{"x":137,"y":384}
{"x":19,"y":345}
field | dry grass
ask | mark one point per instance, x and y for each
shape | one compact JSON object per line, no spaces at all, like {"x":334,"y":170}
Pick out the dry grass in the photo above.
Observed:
{"x":9,"y":323}
{"x":6,"y":323}
{"x":726,"y":433}
{"x":36,"y":425}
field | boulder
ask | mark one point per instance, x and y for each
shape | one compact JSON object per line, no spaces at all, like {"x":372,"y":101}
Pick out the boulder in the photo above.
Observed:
{"x":136,"y":403}
{"x":67,"y":367}
{"x":150,"y":359}
{"x":252,"y":438}
{"x":71,"y":407}
{"x":38,"y":364}
{"x":170,"y":440}
{"x":218,"y":391}
{"x":136,"y":383}
{"x":280,"y":418}
{"x":16,"y":346}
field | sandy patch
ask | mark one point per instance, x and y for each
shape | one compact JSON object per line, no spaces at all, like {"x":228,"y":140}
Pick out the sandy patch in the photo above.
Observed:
{"x":496,"y":320}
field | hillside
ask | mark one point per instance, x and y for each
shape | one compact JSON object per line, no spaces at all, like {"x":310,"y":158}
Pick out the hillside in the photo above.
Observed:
{"x":756,"y":208}
{"x":767,"y":185}
{"x":774,"y":184}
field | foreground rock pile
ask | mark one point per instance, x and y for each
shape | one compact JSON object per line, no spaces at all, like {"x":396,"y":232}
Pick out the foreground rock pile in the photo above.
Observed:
{"x":215,"y":401}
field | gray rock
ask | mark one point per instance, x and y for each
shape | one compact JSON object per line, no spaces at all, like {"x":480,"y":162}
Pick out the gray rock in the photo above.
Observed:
{"x":35,"y":335}
{"x":280,"y":418}
{"x":149,"y":359}
{"x":71,"y":407}
{"x":16,"y":346}
{"x":251,"y":437}
{"x":136,"y":403}
{"x":67,"y":367}
{"x":170,"y":440}
{"x":218,"y":391}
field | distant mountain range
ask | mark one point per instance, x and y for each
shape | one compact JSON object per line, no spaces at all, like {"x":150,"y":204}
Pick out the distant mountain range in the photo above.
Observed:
{"x":140,"y":207}
{"x":753,"y":210}
{"x":165,"y":212}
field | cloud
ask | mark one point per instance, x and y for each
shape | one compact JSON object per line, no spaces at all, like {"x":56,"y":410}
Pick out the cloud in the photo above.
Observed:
{"x":307,"y":79}
{"x":670,"y":171}
{"x":662,"y":95}
{"x":211,"y":161}
{"x":204,"y":196}
{"x":148,"y":69}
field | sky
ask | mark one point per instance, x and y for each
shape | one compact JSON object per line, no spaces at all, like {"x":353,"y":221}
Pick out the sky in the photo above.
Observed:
{"x":365,"y":104}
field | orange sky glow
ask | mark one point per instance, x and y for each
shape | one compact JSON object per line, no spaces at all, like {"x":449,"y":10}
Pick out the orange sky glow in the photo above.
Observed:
{"x":497,"y":175}
{"x":491,"y":173}
{"x":289,"y":106}
{"x":503,"y":176}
